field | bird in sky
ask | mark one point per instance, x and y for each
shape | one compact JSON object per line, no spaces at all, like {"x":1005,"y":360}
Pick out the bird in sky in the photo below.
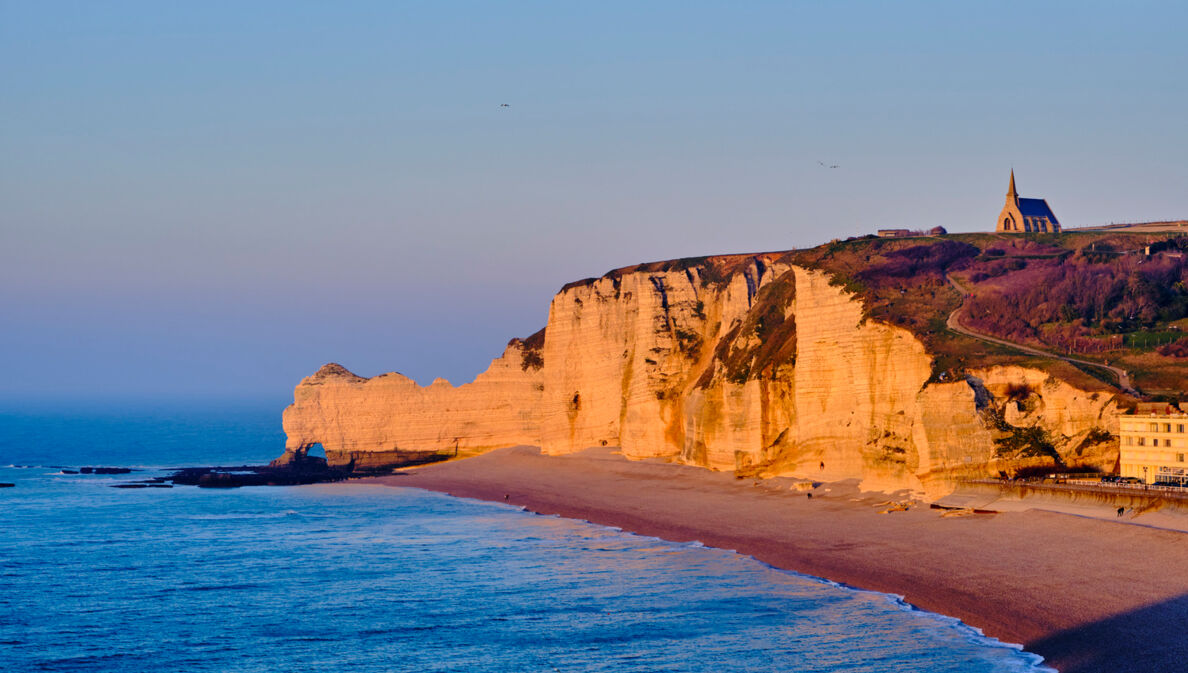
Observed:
{"x":504,"y":105}
{"x":824,"y":165}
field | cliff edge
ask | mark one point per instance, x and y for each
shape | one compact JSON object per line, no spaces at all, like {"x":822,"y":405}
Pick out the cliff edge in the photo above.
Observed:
{"x":762,"y":364}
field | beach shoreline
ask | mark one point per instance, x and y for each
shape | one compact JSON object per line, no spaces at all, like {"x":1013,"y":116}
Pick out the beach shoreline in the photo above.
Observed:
{"x":1087,"y":594}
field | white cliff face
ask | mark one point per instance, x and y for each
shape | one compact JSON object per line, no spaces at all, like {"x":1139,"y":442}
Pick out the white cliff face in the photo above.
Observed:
{"x":734,"y":363}
{"x":856,"y":386}
{"x":622,"y":354}
{"x":1035,"y":397}
{"x":951,"y":434}
{"x":352,"y":416}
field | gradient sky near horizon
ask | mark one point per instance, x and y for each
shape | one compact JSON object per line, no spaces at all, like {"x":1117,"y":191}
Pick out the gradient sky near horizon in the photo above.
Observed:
{"x":212,"y":199}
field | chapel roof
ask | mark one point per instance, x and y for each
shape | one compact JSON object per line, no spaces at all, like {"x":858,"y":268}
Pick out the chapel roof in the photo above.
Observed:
{"x":1036,"y":208}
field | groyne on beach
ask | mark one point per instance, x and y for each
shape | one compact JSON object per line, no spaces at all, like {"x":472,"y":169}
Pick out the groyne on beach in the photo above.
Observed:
{"x":1087,"y":594}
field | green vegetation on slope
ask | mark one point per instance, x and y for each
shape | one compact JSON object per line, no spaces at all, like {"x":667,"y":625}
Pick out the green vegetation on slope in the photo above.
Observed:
{"x":1106,"y":297}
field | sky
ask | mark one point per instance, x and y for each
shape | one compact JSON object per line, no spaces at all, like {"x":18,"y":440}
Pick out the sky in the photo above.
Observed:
{"x":212,"y":199}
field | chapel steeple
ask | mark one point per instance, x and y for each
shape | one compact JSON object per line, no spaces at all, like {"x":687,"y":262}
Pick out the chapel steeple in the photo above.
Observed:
{"x":1012,"y":195}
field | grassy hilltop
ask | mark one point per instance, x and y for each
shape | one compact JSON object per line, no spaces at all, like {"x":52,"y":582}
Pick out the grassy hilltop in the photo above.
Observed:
{"x":1115,"y":298}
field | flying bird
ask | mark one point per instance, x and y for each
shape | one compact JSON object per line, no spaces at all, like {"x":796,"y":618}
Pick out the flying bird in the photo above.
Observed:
{"x":504,"y":105}
{"x":824,"y":165}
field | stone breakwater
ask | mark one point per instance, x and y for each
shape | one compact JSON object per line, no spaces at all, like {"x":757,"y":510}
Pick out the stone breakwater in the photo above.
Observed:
{"x":744,"y":362}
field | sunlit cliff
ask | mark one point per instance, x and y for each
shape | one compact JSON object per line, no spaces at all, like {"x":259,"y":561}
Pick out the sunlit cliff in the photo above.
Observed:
{"x":753,"y":363}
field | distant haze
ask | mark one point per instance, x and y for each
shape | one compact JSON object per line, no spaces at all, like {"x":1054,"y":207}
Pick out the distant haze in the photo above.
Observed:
{"x":214,"y":199}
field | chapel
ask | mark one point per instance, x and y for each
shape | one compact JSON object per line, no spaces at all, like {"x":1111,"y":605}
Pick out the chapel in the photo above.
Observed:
{"x":1026,"y":215}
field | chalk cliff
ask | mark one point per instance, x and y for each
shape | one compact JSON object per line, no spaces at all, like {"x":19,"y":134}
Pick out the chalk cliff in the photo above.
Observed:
{"x":748,"y":362}
{"x":370,"y":422}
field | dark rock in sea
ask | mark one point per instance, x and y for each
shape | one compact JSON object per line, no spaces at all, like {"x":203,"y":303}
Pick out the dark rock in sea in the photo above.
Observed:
{"x":7,"y":485}
{"x":156,"y":482}
{"x":303,"y":470}
{"x":69,"y":471}
{"x":249,"y":475}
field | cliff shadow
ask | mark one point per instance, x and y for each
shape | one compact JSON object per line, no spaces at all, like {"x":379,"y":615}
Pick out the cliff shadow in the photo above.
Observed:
{"x":1151,"y":639}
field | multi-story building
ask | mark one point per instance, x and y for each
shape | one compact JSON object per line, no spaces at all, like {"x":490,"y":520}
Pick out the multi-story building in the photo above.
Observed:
{"x":1154,"y":444}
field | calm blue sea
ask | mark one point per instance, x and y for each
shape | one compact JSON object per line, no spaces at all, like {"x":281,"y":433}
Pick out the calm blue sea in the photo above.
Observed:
{"x":348,"y":577}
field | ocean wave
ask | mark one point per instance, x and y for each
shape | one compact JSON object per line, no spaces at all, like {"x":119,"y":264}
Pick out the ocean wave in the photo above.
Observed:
{"x":240,"y":516}
{"x":1028,"y":662}
{"x":1021,"y":661}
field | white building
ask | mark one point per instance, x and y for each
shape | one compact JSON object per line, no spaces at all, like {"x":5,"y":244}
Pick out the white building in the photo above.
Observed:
{"x":1154,"y":444}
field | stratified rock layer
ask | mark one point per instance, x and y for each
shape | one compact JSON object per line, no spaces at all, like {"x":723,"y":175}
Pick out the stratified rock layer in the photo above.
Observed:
{"x":736,"y":362}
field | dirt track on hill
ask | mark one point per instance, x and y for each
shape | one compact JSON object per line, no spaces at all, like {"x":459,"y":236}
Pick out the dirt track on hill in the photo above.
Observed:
{"x":954,"y":324}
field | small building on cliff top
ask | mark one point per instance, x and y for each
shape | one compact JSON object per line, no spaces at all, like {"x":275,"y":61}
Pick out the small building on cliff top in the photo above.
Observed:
{"x":1153,"y":442}
{"x":1025,"y":215}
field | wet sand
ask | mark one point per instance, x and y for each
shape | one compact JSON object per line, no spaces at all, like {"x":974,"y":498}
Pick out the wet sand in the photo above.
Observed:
{"x":1087,"y":594}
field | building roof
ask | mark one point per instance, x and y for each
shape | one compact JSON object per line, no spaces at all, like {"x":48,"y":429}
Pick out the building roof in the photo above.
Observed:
{"x":1036,"y":208}
{"x":1158,"y":409}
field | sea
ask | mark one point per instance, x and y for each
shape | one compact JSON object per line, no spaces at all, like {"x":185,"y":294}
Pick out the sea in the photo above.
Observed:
{"x":354,"y":577}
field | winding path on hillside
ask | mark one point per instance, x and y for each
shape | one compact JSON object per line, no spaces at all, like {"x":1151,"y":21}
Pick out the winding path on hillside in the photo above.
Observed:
{"x":954,"y":324}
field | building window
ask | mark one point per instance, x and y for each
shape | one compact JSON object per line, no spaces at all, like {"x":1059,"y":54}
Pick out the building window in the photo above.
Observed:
{"x":1167,"y":427}
{"x":1180,"y":428}
{"x":1141,"y":441}
{"x":1179,"y":457}
{"x":1154,"y":427}
{"x":1130,"y":441}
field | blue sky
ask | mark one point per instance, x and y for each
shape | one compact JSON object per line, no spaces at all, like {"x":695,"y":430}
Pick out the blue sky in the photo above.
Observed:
{"x":213,"y":199}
